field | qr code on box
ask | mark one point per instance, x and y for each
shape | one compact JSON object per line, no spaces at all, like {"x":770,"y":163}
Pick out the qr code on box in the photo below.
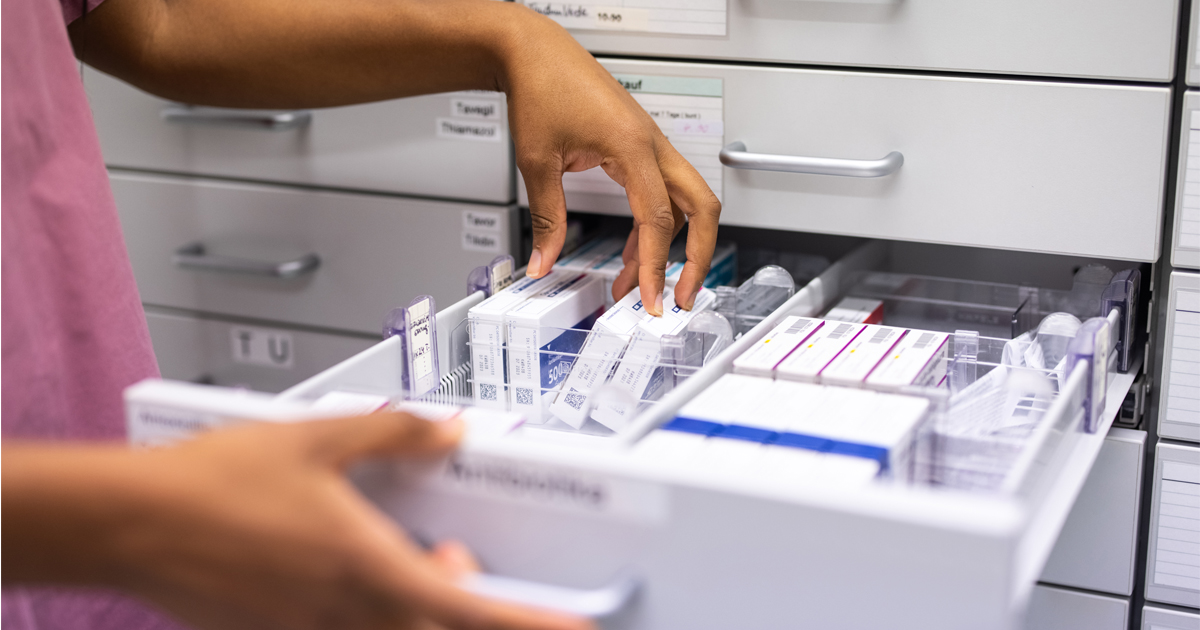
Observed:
{"x":575,"y":400}
{"x":524,"y":396}
{"x":487,"y":392}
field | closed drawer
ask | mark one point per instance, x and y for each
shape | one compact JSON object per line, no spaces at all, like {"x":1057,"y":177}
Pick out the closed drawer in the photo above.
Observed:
{"x":1185,"y":245}
{"x":446,"y":145}
{"x":1172,"y":559}
{"x":1032,"y":166}
{"x":1192,"y":62}
{"x":1098,"y":542}
{"x":1154,"y":618}
{"x":374,"y":252}
{"x":267,"y":358}
{"x":1063,"y":609}
{"x":1118,"y":39}
{"x":1179,"y":396}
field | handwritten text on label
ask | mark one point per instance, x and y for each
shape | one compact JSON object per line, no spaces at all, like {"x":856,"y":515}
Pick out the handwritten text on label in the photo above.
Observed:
{"x":475,"y":108}
{"x":463,"y":130}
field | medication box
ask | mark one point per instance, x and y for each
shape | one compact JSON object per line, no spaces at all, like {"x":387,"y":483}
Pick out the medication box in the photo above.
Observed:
{"x":545,"y":332}
{"x":918,"y":359}
{"x":857,"y":311}
{"x":819,"y":350}
{"x":858,"y":360}
{"x":763,"y":358}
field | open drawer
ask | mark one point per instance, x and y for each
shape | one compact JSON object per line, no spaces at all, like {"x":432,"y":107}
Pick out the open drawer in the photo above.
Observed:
{"x":588,"y":523}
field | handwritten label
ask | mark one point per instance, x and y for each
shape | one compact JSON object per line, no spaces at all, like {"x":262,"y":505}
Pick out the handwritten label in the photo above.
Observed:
{"x":481,"y":220}
{"x":473,"y":241}
{"x":691,"y":127}
{"x":420,"y":342}
{"x":622,"y":18}
{"x":679,"y":17}
{"x":475,"y":108}
{"x":262,"y":346}
{"x":469,"y":130}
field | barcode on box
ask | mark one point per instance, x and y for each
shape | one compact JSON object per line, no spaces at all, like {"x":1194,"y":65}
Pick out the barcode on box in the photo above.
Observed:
{"x":924,"y":340}
{"x":797,"y":327}
{"x":524,"y":396}
{"x":880,"y":336}
{"x":840,"y":331}
{"x":487,"y":392}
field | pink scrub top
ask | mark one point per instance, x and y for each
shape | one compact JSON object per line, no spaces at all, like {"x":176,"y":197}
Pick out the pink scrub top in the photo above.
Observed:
{"x":74,"y":334}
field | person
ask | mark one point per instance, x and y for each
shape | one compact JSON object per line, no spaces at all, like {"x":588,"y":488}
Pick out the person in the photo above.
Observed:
{"x":255,"y":526}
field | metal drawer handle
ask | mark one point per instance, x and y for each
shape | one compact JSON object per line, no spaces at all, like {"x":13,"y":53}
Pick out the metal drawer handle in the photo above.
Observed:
{"x":193,"y":256}
{"x":270,"y":121}
{"x":735,"y":155}
{"x":599,"y":603}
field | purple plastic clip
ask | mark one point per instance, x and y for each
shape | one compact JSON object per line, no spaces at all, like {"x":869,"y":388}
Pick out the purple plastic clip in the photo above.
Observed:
{"x":1122,"y":294}
{"x":492,"y":277}
{"x":415,"y":324}
{"x":1091,"y":346}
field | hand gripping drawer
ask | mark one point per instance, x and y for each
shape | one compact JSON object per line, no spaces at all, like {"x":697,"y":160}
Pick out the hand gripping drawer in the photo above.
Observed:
{"x":446,"y":145}
{"x":718,"y":549}
{"x":1031,"y":166}
{"x":333,"y":260}
{"x":1115,"y":39}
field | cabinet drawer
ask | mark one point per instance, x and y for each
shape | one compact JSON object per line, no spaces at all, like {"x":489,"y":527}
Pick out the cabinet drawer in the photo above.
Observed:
{"x":1192,"y":61}
{"x":1062,"y":609}
{"x":418,"y":146}
{"x":1096,"y":548}
{"x":1179,"y":404}
{"x":1185,"y":246}
{"x":267,"y":358}
{"x":1031,"y":166}
{"x":1154,"y":618}
{"x":1172,"y":563}
{"x":374,"y":252}
{"x":1057,"y":37}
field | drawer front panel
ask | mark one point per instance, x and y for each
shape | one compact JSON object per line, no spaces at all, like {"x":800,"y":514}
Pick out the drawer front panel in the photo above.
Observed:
{"x":1045,"y":167}
{"x":1061,"y":609}
{"x":419,"y":146}
{"x":1172,"y":562}
{"x":1060,"y":37}
{"x":1185,"y":246}
{"x":1154,"y":618}
{"x":1193,"y":55}
{"x":1096,"y":548}
{"x":1179,"y":404}
{"x":262,"y":358}
{"x":375,"y":252}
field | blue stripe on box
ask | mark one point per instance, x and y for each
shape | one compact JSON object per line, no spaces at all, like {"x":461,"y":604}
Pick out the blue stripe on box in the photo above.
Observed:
{"x":807,"y":442}
{"x":691,"y":425}
{"x":749,"y":434}
{"x":865,"y":451}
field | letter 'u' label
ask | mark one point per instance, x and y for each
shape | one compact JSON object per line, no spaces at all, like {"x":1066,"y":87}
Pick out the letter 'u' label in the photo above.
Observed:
{"x":469,"y":130}
{"x":557,"y":488}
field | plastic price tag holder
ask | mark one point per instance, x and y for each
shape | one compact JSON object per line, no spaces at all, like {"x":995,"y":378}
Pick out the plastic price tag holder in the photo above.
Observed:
{"x":492,"y":277}
{"x":963,"y":370}
{"x":415,"y":325}
{"x":707,"y":334}
{"x":1089,"y":350}
{"x":1122,"y":294}
{"x":759,"y":296}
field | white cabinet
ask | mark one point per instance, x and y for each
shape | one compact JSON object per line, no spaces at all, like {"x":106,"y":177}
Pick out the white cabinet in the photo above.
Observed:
{"x":420,"y":146}
{"x":335,"y":260}
{"x":1098,"y":543}
{"x":1112,"y":39}
{"x":1173,"y":550}
{"x":1185,"y":245}
{"x":1063,"y":609}
{"x":262,"y":357}
{"x":1155,"y":618}
{"x":1179,"y":406}
{"x":1033,"y":166}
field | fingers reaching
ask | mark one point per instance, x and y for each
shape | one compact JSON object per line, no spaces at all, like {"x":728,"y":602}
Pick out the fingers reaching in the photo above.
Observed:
{"x":691,"y":195}
{"x":343,"y":440}
{"x":656,"y":227}
{"x":548,"y":210}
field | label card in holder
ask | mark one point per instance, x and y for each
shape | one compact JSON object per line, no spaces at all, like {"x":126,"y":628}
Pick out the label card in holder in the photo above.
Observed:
{"x":422,"y":352}
{"x":690,"y":112}
{"x":677,"y":17}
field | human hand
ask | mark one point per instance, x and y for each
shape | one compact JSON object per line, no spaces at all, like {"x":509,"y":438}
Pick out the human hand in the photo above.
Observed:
{"x":568,"y":114}
{"x":256,"y":527}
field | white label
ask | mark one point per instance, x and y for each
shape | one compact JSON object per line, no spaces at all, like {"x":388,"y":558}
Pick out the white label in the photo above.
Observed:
{"x":420,"y":340}
{"x":469,"y":130}
{"x":475,"y":108}
{"x":688,"y":127}
{"x":481,"y":220}
{"x":680,"y":17}
{"x":262,"y":346}
{"x":1182,"y":393}
{"x":480,"y":241}
{"x":557,"y":488}
{"x":1177,"y":544}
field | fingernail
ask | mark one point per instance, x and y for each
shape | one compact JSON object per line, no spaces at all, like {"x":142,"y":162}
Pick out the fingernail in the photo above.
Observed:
{"x":535,"y":265}
{"x":690,"y":301}
{"x":658,"y":305}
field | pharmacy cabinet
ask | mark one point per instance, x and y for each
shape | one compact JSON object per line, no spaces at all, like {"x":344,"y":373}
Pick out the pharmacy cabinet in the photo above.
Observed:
{"x":334,"y":260}
{"x":1020,"y":165}
{"x":1055,"y":608}
{"x":1179,"y":415}
{"x":1185,"y":245}
{"x":1098,"y":543}
{"x":263,"y":357}
{"x":1191,"y":68}
{"x":1156,"y":618}
{"x":1112,"y":39}
{"x":1172,"y":559}
{"x":453,"y":145}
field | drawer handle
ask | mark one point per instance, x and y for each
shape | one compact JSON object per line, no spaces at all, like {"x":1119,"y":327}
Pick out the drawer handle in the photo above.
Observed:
{"x":194,"y":256}
{"x":599,"y":603}
{"x":270,"y":121}
{"x":735,"y":155}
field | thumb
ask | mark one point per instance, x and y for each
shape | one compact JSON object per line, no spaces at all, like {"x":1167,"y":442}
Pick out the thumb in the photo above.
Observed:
{"x":548,"y":211}
{"x":340,"y":441}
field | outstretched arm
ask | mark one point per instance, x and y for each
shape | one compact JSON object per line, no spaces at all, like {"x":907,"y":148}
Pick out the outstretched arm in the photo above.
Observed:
{"x":566,"y":112}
